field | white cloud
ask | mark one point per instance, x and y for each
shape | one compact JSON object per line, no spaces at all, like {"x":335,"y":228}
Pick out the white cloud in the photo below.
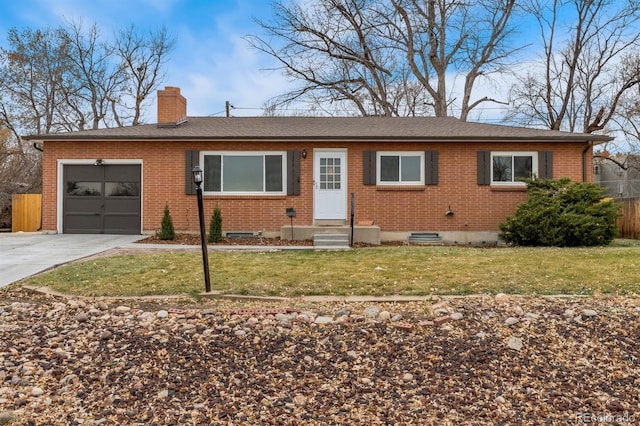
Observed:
{"x":219,"y":65}
{"x":233,"y":75}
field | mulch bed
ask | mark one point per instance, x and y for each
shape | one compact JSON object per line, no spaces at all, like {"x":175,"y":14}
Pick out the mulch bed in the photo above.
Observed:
{"x":194,"y":239}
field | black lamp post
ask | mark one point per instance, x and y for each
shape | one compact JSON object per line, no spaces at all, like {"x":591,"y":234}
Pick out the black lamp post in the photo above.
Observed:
{"x":197,"y":179}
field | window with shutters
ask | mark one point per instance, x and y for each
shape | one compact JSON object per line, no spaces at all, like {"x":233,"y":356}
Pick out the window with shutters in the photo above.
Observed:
{"x":512,"y":167}
{"x":244,"y":173}
{"x":400,"y":168}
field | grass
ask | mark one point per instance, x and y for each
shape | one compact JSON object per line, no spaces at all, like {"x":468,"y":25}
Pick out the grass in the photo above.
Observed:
{"x":407,"y":270}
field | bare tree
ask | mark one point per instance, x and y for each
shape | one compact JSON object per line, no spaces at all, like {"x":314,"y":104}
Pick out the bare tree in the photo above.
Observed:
{"x":627,"y":118}
{"x":143,"y":57}
{"x":20,"y":171}
{"x":69,"y":79}
{"x":439,"y":37}
{"x":97,"y":76}
{"x":32,"y":73}
{"x":66,"y":79}
{"x":333,"y":49}
{"x":584,"y":70}
{"x":387,"y":57}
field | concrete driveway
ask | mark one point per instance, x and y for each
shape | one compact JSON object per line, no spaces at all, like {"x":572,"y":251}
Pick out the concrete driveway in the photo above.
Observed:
{"x":25,"y":254}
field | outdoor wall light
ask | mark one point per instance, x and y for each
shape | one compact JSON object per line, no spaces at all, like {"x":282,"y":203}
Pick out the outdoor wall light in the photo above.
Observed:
{"x":197,"y":175}
{"x":304,"y":153}
{"x":99,"y":162}
{"x":449,"y":212}
{"x":197,"y":179}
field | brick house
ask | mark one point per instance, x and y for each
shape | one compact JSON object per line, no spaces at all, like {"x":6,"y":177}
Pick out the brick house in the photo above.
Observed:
{"x":403,"y":175}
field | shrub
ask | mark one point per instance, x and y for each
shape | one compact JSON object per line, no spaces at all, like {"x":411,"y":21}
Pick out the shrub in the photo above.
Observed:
{"x":166,"y":230}
{"x":215,"y":226}
{"x":558,"y":213}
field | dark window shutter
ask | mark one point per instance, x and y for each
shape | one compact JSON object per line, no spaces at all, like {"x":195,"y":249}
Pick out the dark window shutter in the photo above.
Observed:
{"x":431,"y":167}
{"x":273,"y":173}
{"x":191,"y":160}
{"x":484,"y":167}
{"x":545,"y":164}
{"x":293,"y":172}
{"x":369,"y":168}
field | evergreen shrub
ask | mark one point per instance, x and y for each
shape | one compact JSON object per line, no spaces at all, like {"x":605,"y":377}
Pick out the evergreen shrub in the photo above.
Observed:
{"x":560,"y":214}
{"x":166,"y":229}
{"x":215,"y":226}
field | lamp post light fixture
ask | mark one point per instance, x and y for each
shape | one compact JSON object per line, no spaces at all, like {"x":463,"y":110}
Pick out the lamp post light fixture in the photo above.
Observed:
{"x":197,"y":179}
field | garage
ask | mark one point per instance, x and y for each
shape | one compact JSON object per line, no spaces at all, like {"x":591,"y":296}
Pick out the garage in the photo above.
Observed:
{"x":101,"y":199}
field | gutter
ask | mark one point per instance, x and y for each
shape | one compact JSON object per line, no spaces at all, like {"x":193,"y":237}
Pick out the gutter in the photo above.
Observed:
{"x":584,"y":160}
{"x":70,"y":137}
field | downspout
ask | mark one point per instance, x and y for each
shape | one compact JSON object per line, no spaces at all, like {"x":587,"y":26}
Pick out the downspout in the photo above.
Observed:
{"x":584,"y":160}
{"x":38,"y":146}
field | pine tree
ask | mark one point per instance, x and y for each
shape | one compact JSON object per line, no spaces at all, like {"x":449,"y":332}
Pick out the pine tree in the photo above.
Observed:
{"x":166,"y":231}
{"x":215,"y":226}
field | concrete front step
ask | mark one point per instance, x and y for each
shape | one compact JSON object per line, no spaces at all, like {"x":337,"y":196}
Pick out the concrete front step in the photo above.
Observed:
{"x":362,"y":234}
{"x":330,"y":240}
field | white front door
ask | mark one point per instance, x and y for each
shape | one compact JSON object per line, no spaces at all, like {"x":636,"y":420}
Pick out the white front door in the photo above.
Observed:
{"x":330,"y":185}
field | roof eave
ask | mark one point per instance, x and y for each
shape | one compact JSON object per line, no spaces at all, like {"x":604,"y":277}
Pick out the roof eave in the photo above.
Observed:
{"x":598,"y":139}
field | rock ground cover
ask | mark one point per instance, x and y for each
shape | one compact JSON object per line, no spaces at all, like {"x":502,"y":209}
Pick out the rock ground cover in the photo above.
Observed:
{"x":486,"y":360}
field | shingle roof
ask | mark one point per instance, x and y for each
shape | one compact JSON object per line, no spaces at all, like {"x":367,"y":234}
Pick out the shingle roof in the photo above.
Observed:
{"x":325,"y":128}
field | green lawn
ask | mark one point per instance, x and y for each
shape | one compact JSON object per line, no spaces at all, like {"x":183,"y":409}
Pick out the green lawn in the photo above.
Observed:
{"x":407,"y":270}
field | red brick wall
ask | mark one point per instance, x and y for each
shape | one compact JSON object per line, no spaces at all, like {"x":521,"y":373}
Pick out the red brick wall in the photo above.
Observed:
{"x":477,"y":208}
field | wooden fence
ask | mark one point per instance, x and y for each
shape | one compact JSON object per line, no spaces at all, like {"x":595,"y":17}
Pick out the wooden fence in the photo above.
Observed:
{"x":629,"y":222}
{"x":26,"y":212}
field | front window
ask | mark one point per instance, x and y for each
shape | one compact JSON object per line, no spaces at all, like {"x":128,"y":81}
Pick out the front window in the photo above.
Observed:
{"x":513,"y":167}
{"x":244,"y":173}
{"x":400,"y":168}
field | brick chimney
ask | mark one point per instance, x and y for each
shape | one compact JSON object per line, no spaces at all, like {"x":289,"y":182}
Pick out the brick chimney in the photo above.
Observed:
{"x":172,"y":107}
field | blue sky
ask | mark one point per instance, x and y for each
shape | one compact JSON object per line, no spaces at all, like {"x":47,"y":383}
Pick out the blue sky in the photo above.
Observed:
{"x":211,"y":62}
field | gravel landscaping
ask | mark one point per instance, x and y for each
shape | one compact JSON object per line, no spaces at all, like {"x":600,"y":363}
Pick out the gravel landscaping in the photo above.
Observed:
{"x":484,"y":360}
